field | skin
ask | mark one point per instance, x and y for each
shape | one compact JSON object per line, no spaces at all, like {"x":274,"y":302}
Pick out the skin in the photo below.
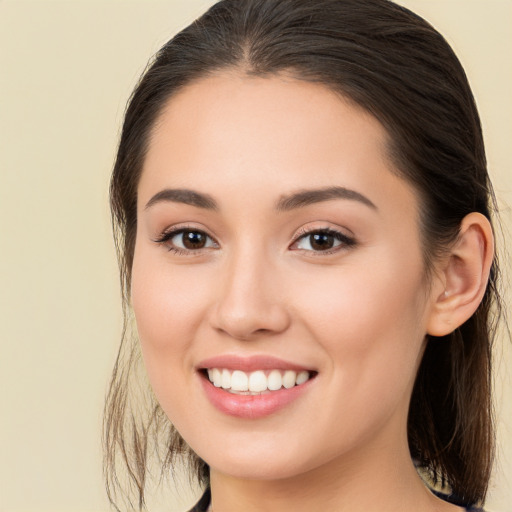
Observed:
{"x":357,"y":315}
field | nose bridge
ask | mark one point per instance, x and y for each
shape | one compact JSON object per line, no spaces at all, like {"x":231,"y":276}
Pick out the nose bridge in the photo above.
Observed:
{"x":247,"y":303}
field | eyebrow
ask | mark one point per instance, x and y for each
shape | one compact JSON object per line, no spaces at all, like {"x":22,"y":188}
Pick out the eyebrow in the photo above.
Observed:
{"x":304,"y":198}
{"x":185,"y":196}
{"x":285,"y":203}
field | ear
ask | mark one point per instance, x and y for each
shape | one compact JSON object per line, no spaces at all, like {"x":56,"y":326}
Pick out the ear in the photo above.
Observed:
{"x":463,"y":274}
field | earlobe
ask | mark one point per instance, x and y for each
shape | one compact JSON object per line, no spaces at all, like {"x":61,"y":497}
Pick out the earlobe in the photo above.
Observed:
{"x":465,"y":274}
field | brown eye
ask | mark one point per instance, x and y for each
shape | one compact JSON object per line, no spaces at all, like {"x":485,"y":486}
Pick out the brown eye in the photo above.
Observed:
{"x":321,"y":241}
{"x":193,"y":239}
{"x":183,"y":241}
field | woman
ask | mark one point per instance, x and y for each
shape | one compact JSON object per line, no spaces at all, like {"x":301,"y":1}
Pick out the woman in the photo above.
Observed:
{"x":303,"y":219}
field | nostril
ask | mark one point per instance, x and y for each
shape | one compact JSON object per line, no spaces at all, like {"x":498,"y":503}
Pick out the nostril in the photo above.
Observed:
{"x":247,"y":309}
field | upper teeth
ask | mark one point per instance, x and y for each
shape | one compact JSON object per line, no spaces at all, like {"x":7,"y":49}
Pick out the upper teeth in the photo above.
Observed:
{"x":256,"y":382}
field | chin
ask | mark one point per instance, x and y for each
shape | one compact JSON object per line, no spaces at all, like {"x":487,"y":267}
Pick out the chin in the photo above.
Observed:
{"x":261,"y":462}
{"x":258,"y":470}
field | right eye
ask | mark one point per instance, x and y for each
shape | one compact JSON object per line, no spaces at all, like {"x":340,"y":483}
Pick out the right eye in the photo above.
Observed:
{"x":184,"y":241}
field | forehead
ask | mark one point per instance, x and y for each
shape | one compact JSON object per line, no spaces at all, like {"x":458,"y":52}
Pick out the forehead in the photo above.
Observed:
{"x":248,"y":105}
{"x":267,"y":134}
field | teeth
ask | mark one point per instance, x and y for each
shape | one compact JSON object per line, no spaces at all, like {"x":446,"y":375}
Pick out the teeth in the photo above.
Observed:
{"x":215,"y":376}
{"x":274,"y":380}
{"x":289,"y":379}
{"x":301,"y":378}
{"x":239,"y":381}
{"x":256,"y":382}
{"x":226,"y":379}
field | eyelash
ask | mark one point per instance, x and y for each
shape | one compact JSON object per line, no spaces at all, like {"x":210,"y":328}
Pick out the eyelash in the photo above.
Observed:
{"x":168,"y":235}
{"x":345,"y":241}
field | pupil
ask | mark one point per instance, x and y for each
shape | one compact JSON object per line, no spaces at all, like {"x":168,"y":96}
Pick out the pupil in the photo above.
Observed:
{"x":193,"y":240}
{"x":322,"y":241}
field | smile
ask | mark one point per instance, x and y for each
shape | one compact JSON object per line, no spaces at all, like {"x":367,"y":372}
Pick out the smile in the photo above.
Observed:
{"x":256,"y":382}
{"x":254,"y":387}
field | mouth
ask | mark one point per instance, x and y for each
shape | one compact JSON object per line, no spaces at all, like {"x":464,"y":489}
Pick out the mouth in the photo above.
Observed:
{"x":254,"y":387}
{"x":256,"y":382}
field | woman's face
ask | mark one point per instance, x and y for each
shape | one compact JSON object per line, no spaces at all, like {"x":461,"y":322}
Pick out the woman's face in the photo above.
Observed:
{"x":277,"y":248}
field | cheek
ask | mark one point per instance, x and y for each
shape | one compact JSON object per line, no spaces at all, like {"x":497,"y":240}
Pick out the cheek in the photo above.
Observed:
{"x":164,"y":300}
{"x":168,"y":305}
{"x":373,"y":338}
{"x":370,"y":321}
{"x":167,"y":308}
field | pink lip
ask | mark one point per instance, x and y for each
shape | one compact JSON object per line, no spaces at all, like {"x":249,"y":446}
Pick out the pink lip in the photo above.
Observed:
{"x":249,"y":364}
{"x":250,"y":406}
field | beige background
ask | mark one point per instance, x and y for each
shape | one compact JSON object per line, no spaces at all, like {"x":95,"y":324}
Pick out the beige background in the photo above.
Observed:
{"x":66,"y":70}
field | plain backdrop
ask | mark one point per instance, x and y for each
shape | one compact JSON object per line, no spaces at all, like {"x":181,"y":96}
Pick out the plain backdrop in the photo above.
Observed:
{"x":66,"y":71}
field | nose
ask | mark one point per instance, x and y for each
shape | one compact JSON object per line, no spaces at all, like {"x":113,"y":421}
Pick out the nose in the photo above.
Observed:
{"x":249,"y":303}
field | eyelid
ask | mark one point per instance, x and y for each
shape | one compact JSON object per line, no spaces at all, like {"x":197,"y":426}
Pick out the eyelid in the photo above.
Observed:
{"x":169,"y":233}
{"x":347,"y":240}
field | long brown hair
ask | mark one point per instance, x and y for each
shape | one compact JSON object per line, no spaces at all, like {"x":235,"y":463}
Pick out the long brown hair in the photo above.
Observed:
{"x":401,"y":70}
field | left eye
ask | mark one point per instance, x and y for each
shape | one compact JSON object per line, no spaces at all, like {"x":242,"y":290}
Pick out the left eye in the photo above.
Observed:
{"x":322,"y":240}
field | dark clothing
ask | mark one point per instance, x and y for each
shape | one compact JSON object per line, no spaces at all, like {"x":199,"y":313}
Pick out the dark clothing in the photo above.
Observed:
{"x":203,"y":504}
{"x":457,"y":501}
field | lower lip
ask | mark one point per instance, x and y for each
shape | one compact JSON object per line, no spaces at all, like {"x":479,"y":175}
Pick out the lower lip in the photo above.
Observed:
{"x":252,"y":406}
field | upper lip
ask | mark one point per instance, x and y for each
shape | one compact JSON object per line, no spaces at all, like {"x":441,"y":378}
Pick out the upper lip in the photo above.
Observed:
{"x":249,"y":363}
